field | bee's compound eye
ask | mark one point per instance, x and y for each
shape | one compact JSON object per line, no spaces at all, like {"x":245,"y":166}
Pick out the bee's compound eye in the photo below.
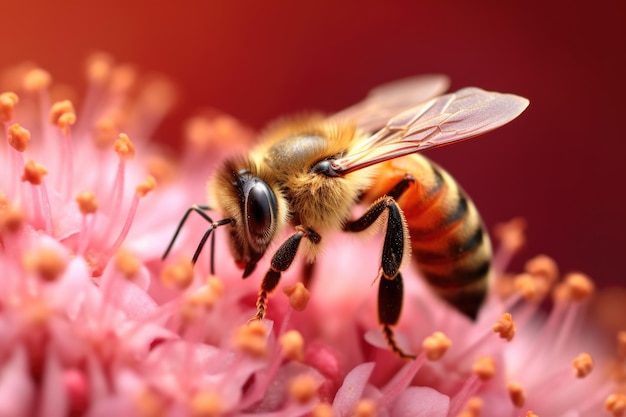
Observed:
{"x":261,"y":209}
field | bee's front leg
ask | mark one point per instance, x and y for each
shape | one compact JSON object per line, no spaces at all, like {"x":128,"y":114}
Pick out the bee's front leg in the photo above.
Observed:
{"x":281,"y":261}
{"x":391,"y":288}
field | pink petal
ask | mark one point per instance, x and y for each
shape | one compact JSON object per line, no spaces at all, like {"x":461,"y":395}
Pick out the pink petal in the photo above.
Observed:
{"x":130,"y":296}
{"x":352,"y":389}
{"x":16,"y":389}
{"x":276,"y":393}
{"x":421,"y":402}
{"x":70,"y":291}
{"x":53,"y":398}
{"x":112,"y":406}
{"x":98,"y":386}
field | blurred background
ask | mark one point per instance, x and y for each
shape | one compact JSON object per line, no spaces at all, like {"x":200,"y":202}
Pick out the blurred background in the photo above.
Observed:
{"x":562,"y":165}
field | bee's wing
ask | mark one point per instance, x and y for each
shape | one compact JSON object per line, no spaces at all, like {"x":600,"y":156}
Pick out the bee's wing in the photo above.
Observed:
{"x":388,"y":100}
{"x":449,"y":118}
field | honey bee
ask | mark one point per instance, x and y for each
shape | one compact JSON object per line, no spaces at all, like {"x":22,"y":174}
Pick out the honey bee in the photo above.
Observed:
{"x":309,"y":172}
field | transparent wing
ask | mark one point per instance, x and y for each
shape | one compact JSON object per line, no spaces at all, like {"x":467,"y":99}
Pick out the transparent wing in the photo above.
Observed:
{"x":449,"y":118}
{"x":388,"y":100}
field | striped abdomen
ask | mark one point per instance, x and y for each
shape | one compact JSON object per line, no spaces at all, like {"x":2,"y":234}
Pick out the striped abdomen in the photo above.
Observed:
{"x":450,"y":246}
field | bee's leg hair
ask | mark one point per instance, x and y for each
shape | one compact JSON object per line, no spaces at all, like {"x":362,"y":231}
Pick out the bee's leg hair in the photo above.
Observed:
{"x":280,"y":262}
{"x":390,"y":291}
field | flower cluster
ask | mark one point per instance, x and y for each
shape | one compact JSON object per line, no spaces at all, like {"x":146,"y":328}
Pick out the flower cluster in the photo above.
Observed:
{"x":93,"y":322}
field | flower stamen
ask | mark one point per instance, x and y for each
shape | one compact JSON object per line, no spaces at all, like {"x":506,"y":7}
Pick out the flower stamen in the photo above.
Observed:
{"x":201,"y":300}
{"x":104,"y":135}
{"x":36,"y":80}
{"x":140,"y":191}
{"x":545,"y":267}
{"x":127,"y":263}
{"x":206,"y":404}
{"x":48,"y":264}
{"x":302,"y":388}
{"x":252,"y":339}
{"x":433,"y":348}
{"x":323,"y":409}
{"x":568,"y":297}
{"x":516,"y":394}
{"x":473,"y":408}
{"x":178,"y":274}
{"x":292,"y":345}
{"x":616,"y":404}
{"x":88,"y":206}
{"x":18,"y":137}
{"x":365,"y":408}
{"x":583,"y":365}
{"x":482,"y":370}
{"x":11,"y":220}
{"x":150,"y":404}
{"x":125,"y":151}
{"x":98,"y":70}
{"x":436,"y":346}
{"x":505,"y":327}
{"x":298,"y":296}
{"x":161,"y":168}
{"x":62,"y":115}
{"x":579,"y":286}
{"x":33,"y":174}
{"x":512,"y":238}
{"x":8,"y":101}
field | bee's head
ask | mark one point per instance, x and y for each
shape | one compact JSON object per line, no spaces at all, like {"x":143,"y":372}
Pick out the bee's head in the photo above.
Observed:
{"x":256,"y":210}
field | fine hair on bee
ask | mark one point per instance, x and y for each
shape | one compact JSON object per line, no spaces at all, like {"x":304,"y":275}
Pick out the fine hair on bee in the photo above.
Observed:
{"x":307,"y":174}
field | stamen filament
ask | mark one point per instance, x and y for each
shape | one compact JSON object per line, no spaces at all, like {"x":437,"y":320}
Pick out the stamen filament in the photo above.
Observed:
{"x":46,"y":209}
{"x":115,"y":200}
{"x":87,"y":225}
{"x":67,"y":166}
{"x":107,"y":254}
{"x":401,"y":380}
{"x":17,"y":166}
{"x":467,"y":391}
{"x":566,"y":327}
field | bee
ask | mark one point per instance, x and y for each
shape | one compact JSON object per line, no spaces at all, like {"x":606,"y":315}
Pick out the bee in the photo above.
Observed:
{"x":309,"y":172}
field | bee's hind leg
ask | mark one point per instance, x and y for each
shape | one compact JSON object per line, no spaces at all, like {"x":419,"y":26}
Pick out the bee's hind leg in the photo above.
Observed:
{"x":405,"y":182}
{"x":390,"y":295}
{"x":281,"y":261}
{"x":391,"y":288}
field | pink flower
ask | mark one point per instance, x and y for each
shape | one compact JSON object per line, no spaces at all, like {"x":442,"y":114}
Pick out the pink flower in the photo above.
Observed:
{"x":93,"y":323}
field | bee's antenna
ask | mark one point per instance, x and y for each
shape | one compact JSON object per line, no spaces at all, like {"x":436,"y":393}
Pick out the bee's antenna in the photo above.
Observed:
{"x":205,"y":237}
{"x":201,"y":211}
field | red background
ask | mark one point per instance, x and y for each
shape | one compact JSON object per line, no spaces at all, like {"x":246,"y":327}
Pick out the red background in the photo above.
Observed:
{"x":562,"y":165}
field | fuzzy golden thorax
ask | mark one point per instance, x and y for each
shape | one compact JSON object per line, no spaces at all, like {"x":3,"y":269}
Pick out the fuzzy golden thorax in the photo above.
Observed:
{"x":291,"y":148}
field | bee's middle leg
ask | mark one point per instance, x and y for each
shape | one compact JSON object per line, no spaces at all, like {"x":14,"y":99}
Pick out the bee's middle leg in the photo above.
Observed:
{"x":281,"y":261}
{"x":391,"y":288}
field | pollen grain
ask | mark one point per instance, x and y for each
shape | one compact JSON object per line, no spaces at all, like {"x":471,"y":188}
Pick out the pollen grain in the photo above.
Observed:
{"x":435,"y":346}
{"x":18,"y":137}
{"x":34,"y":172}
{"x":298,"y":296}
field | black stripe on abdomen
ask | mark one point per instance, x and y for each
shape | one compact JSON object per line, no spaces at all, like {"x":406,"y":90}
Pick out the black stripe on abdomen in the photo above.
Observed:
{"x":460,"y":275}
{"x":456,"y":249}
